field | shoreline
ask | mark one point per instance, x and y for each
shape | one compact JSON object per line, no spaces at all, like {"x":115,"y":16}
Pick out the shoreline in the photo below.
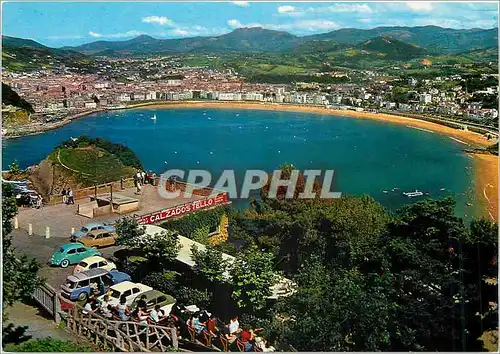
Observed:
{"x":485,"y":166}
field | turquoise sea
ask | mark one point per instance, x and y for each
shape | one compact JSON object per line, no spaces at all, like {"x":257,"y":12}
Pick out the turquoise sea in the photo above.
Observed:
{"x":368,"y":157}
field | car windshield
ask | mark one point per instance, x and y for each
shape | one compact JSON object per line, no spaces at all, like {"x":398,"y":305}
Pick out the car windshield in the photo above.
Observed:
{"x":116,"y":294}
{"x":82,"y":264}
{"x":84,"y":229}
{"x":71,"y":284}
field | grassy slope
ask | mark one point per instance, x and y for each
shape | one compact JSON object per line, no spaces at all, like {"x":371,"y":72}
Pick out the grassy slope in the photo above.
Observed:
{"x":98,"y":165}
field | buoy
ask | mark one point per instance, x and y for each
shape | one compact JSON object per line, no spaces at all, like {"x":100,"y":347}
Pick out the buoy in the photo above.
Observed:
{"x":47,"y":232}
{"x":16,"y":223}
{"x":30,"y":229}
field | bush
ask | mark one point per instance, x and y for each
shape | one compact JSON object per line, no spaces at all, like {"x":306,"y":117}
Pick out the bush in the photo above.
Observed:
{"x":48,"y":345}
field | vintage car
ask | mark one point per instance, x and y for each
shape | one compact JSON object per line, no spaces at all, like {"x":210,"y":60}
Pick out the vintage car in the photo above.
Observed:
{"x":91,"y":227}
{"x":72,"y":253}
{"x":78,"y":286}
{"x":127,"y":289}
{"x":98,"y":238}
{"x":92,"y":263}
{"x":155,"y":297}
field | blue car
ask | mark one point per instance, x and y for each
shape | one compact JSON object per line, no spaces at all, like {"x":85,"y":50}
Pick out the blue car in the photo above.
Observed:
{"x":79,"y":286}
{"x":91,"y":227}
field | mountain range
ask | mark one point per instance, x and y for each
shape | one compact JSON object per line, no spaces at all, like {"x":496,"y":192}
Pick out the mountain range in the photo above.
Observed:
{"x":430,"y":39}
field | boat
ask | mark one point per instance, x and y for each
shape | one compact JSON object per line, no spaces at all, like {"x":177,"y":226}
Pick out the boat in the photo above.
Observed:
{"x":442,"y":189}
{"x":204,"y":113}
{"x":385,"y":192}
{"x":153,"y":117}
{"x":469,"y":204}
{"x":416,"y":193}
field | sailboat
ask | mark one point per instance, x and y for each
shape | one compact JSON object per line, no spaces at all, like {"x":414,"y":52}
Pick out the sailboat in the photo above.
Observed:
{"x":153,"y":117}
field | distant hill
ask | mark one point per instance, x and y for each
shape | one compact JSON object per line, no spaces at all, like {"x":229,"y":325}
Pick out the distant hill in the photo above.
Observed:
{"x":432,"y":38}
{"x":391,"y":48}
{"x":254,"y":39}
{"x":20,"y":54}
{"x":8,"y":41}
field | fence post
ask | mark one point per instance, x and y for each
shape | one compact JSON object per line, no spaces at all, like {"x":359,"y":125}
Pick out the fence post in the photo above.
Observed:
{"x":47,"y":232}
{"x":57,"y":308}
{"x":173,"y":335}
{"x":16,"y":223}
{"x":72,"y":230}
{"x":30,"y":229}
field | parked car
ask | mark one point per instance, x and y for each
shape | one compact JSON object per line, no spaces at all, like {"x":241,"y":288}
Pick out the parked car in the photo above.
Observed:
{"x":155,"y":297}
{"x":92,"y":263}
{"x":98,"y":238}
{"x":128,"y":289}
{"x":93,"y":226}
{"x":72,"y":253}
{"x":78,"y":286}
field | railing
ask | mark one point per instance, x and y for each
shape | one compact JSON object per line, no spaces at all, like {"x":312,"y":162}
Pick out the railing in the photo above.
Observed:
{"x":121,"y":335}
{"x":47,"y":297}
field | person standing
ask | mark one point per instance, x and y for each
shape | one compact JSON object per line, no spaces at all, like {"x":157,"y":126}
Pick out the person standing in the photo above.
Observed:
{"x":70,"y":196}
{"x":39,"y":201}
{"x":64,"y":196}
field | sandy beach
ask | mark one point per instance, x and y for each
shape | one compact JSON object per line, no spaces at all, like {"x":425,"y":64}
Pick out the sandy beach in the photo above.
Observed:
{"x":486,"y":170}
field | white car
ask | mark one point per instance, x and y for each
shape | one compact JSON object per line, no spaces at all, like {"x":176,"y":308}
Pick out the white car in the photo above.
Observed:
{"x":128,"y":289}
{"x":93,"y":263}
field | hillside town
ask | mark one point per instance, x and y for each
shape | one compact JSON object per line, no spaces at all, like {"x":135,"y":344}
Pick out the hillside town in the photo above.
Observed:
{"x":60,"y":92}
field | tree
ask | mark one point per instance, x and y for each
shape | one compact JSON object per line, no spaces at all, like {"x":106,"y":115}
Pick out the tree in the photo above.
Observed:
{"x":252,"y":277}
{"x":14,"y":168}
{"x":19,"y":273}
{"x":129,"y":230}
{"x":210,"y":264}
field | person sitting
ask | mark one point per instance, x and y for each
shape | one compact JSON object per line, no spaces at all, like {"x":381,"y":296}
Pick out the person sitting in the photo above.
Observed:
{"x":142,"y":301}
{"x":123,"y":310}
{"x":197,"y":324}
{"x":260,"y":343}
{"x":107,"y":311}
{"x":89,"y":307}
{"x":234,"y":326}
{"x":247,"y":337}
{"x":212,"y":326}
{"x":156,"y":315}
{"x":142,"y":315}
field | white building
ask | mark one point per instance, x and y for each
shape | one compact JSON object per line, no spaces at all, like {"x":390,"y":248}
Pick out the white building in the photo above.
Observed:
{"x":124,"y":97}
{"x":229,"y":96}
{"x":90,"y":105}
{"x":425,"y":98}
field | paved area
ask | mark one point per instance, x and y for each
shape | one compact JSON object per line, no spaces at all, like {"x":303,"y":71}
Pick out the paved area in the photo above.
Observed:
{"x":40,"y":324}
{"x":61,"y":218}
{"x":42,"y":249}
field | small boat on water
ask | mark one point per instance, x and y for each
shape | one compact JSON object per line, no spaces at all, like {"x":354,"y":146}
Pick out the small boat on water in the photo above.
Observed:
{"x":204,"y":113}
{"x":153,"y":117}
{"x":416,"y":193}
{"x":469,"y":204}
{"x":442,"y":189}
{"x":385,"y":192}
{"x":395,"y":189}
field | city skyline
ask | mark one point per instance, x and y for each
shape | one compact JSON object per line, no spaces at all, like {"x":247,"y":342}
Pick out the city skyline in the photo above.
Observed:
{"x":60,"y":24}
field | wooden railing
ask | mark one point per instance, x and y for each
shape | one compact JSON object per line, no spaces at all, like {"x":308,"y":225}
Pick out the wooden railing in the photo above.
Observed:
{"x":46,"y":296}
{"x":121,"y":335}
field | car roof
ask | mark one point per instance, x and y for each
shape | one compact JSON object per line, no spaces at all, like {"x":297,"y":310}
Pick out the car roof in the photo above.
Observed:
{"x":68,"y":246}
{"x":123,"y":286}
{"x":151,"y":294}
{"x":88,"y":274}
{"x":118,"y":275}
{"x":93,"y":224}
{"x":93,"y":259}
{"x":97,"y":232}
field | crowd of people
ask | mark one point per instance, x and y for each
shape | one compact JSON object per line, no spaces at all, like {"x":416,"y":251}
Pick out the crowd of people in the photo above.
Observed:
{"x":190,"y":322}
{"x":142,"y":177}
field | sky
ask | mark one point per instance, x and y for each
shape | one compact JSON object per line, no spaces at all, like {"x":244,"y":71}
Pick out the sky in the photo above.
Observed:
{"x":73,"y":23}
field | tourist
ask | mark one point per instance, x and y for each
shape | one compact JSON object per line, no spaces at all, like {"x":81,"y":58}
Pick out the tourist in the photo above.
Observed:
{"x":105,"y":301}
{"x":247,"y":336}
{"x":89,"y":307}
{"x":142,"y":315}
{"x":197,"y":324}
{"x":143,"y":177}
{"x":261,"y":343}
{"x":70,"y":196}
{"x":141,"y":303}
{"x":155,"y":315}
{"x":107,"y":311}
{"x":39,"y":201}
{"x":123,"y":310}
{"x":64,"y":196}
{"x":212,"y":326}
{"x":149,"y":177}
{"x":234,"y":326}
